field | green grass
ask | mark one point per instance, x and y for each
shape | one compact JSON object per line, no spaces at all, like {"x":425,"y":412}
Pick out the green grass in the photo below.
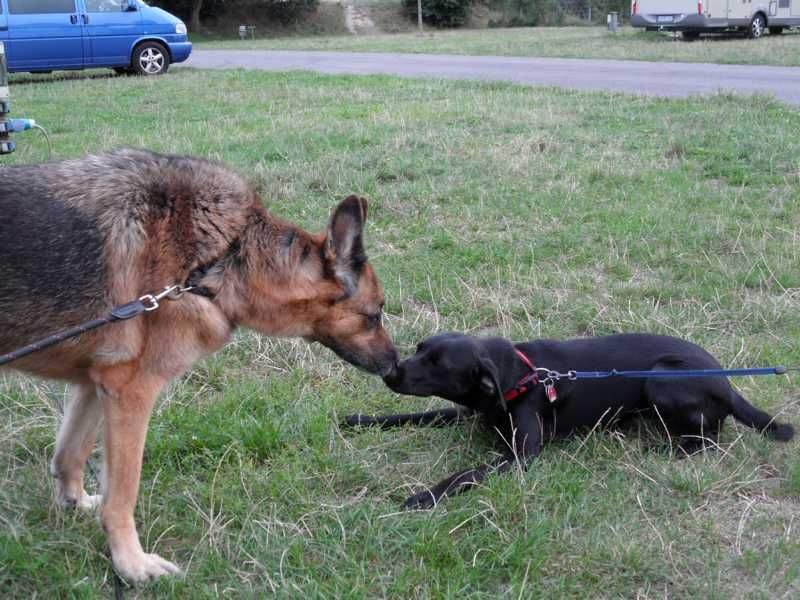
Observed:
{"x":521,"y":211}
{"x":559,"y":42}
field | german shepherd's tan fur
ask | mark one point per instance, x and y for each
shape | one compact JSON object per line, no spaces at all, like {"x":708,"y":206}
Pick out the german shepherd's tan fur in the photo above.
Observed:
{"x":79,"y":237}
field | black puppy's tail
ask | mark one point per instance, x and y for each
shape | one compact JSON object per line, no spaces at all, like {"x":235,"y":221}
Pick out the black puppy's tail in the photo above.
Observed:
{"x":746,"y":413}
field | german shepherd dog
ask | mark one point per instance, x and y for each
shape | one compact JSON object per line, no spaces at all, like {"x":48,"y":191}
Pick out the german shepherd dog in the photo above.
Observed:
{"x":79,"y":237}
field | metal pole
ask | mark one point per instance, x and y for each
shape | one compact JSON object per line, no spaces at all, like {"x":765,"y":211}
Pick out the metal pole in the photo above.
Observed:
{"x":6,"y":143}
{"x":419,"y":16}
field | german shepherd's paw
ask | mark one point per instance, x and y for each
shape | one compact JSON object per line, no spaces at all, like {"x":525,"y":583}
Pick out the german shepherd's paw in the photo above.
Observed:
{"x":141,"y":567}
{"x":90,"y":502}
{"x":85,"y":501}
{"x":424,"y":500}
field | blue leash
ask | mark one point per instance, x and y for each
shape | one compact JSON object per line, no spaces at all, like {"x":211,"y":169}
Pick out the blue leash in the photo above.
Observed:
{"x":574,"y":375}
{"x":549,"y":377}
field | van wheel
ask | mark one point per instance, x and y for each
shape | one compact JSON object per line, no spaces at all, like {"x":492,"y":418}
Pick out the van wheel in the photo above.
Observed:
{"x":150,"y":58}
{"x":757,"y":26}
{"x":690,"y":35}
{"x":775,"y":30}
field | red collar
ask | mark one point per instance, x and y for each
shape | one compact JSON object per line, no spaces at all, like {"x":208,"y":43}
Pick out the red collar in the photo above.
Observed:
{"x":523,"y":385}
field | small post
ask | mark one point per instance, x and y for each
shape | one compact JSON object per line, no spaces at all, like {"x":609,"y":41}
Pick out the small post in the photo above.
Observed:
{"x":7,"y":145}
{"x":419,"y":16}
{"x":613,"y":22}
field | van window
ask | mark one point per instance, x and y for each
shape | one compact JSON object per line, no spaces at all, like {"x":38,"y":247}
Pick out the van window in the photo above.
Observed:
{"x":40,"y":7}
{"x":105,"y":5}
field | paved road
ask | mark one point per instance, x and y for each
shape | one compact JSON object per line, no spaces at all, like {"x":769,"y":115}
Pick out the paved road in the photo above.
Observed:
{"x":653,"y":78}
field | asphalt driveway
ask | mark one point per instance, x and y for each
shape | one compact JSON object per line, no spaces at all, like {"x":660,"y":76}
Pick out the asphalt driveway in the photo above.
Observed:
{"x":638,"y":77}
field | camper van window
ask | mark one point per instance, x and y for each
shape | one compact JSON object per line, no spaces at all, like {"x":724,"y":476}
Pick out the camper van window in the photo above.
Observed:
{"x":40,"y":7}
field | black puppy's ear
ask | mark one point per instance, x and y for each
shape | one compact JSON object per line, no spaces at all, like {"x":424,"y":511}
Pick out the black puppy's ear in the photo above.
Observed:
{"x":489,"y":381}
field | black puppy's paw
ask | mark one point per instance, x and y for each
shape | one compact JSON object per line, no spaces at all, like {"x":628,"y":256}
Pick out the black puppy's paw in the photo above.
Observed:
{"x":358,"y":421}
{"x":424,"y":500}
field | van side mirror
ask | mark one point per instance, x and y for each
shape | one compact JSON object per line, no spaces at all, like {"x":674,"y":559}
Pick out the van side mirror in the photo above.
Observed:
{"x":131,"y":6}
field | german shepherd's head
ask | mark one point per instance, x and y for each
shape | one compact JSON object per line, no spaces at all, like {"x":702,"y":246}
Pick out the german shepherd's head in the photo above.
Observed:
{"x":320,"y":287}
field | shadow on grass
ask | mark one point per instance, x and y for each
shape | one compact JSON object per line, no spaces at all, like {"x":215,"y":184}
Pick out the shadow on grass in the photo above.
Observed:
{"x":34,"y":78}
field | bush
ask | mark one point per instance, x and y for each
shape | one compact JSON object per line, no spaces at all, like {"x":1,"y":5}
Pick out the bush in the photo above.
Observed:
{"x":440,"y":13}
{"x":518,"y":13}
{"x":286,"y":11}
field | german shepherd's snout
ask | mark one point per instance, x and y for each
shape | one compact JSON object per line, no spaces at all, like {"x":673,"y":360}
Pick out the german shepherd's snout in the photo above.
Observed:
{"x":81,"y":236}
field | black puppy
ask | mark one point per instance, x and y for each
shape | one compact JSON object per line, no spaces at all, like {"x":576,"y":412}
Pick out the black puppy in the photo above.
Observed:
{"x":508,"y":385}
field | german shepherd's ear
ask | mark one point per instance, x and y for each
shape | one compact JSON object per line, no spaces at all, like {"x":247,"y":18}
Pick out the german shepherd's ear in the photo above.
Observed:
{"x":489,"y":381}
{"x":344,"y":243}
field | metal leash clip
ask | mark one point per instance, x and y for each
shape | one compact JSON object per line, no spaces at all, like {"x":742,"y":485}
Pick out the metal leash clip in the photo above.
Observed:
{"x":549,"y":379}
{"x":550,"y":375}
{"x":171,"y":292}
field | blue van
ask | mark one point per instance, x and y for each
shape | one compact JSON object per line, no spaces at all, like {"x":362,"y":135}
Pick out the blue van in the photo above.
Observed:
{"x":126,"y":35}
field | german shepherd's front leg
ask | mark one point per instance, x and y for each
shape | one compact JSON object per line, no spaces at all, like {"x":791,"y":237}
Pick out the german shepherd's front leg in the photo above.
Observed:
{"x":128,"y":397}
{"x":525,"y":445}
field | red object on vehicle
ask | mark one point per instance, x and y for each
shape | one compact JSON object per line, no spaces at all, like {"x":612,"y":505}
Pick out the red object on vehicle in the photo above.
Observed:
{"x":699,"y":7}
{"x":635,"y":7}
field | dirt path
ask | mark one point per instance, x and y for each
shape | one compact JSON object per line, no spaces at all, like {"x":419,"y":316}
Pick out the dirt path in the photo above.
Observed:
{"x":357,"y":21}
{"x":356,"y":18}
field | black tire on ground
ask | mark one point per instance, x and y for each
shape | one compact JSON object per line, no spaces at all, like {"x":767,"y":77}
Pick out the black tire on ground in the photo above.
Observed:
{"x":150,"y":58}
{"x":690,"y":35}
{"x":775,"y":30}
{"x":757,"y":26}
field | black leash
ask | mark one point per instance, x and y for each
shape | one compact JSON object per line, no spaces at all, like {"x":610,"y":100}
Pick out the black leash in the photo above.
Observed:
{"x":146,"y":303}
{"x":119,"y":587}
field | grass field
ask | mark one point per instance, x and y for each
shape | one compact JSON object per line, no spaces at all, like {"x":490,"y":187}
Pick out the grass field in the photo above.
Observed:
{"x":495,"y":209}
{"x":562,"y":42}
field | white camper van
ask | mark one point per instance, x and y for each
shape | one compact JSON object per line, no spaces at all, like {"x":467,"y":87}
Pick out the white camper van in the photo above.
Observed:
{"x":693,"y":17}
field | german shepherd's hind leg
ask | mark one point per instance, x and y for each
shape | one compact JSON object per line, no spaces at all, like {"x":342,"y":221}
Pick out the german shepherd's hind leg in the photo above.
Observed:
{"x":74,"y":443}
{"x":128,"y":397}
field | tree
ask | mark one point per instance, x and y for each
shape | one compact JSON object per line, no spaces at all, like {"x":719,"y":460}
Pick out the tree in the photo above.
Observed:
{"x":188,"y":10}
{"x":194,"y":21}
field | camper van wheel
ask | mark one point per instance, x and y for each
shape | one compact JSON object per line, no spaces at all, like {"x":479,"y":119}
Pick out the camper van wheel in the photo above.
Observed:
{"x":757,"y":26}
{"x":150,"y":58}
{"x":690,"y":35}
{"x":775,"y":30}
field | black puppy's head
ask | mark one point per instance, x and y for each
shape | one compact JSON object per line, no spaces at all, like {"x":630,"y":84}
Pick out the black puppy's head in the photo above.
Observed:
{"x":455,"y":367}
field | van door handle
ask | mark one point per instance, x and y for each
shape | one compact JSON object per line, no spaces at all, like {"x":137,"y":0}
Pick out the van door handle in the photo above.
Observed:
{"x":73,"y":19}
{"x":85,"y":19}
